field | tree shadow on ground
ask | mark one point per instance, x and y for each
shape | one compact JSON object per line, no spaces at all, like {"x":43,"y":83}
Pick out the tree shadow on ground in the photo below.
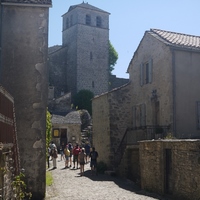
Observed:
{"x":122,"y":183}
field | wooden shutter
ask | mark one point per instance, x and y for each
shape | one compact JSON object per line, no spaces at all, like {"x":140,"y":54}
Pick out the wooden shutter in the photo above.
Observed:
{"x":134,"y":116}
{"x":141,"y":74}
{"x":150,"y":70}
{"x":198,"y":114}
{"x":143,"y":115}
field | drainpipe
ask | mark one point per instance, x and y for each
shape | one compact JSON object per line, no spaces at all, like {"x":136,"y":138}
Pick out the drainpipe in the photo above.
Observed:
{"x":174,"y":92}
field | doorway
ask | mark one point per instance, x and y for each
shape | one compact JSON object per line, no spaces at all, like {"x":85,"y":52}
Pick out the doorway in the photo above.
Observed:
{"x":168,"y":171}
{"x":63,"y":136}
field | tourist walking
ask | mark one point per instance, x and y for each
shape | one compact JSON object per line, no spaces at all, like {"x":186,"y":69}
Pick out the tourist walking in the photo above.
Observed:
{"x":67,"y":154}
{"x":48,"y":155}
{"x":87,"y":151}
{"x":81,"y":158}
{"x":76,"y":151}
{"x":54,"y":154}
{"x":93,"y":161}
{"x":70,"y":147}
{"x":62,"y":147}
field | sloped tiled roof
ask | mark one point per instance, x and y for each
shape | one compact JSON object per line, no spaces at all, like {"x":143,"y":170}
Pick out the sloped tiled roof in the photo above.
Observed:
{"x":86,"y":5}
{"x":177,"y":39}
{"x":71,"y":118}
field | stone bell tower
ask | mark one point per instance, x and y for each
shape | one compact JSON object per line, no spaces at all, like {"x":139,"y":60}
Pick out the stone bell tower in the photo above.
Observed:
{"x":24,"y":45}
{"x":86,"y":37}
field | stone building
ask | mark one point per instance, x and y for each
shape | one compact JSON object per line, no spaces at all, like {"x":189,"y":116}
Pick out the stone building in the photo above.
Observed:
{"x":81,"y":62}
{"x":66,"y":128}
{"x":24,"y":51}
{"x":161,"y":100}
{"x":165,"y":88}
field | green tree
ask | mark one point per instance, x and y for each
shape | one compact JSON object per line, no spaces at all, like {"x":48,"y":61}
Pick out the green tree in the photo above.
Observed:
{"x":82,"y":100}
{"x":48,"y":129}
{"x":113,"y":56}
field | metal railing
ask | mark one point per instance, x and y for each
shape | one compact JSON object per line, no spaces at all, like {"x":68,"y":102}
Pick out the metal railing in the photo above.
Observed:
{"x":135,"y":134}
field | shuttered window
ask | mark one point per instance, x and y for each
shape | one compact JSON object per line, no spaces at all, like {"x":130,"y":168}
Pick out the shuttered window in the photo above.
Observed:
{"x":71,"y":20}
{"x":67,"y":23}
{"x":143,"y":115}
{"x":198,"y":114}
{"x":139,"y":115}
{"x":141,"y":75}
{"x":88,"y":19}
{"x":134,"y":116}
{"x":146,"y":72}
{"x":98,"y":21}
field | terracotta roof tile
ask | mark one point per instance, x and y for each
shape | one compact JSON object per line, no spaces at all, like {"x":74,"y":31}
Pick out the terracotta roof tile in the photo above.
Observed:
{"x":177,"y":39}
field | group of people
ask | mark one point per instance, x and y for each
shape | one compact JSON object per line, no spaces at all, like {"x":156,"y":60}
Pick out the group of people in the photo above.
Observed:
{"x":80,"y":156}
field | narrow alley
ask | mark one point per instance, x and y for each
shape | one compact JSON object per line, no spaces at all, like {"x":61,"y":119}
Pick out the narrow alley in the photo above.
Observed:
{"x":68,"y":184}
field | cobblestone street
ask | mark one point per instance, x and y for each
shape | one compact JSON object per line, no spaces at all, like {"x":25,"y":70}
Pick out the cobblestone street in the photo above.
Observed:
{"x":68,"y":184}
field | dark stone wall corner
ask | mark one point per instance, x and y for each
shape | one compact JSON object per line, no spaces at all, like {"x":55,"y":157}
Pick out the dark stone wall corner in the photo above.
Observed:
{"x":48,"y":2}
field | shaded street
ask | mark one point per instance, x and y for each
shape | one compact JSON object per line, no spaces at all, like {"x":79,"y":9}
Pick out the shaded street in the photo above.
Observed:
{"x":68,"y":184}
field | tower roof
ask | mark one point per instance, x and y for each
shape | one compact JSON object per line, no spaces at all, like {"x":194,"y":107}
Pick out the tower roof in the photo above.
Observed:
{"x":86,"y":6}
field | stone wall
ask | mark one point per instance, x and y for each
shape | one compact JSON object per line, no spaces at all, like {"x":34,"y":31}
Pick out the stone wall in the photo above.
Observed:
{"x":171,"y":167}
{"x":111,"y":118}
{"x":58,"y":70}
{"x":129,"y":166}
{"x":101,"y":127}
{"x":151,"y":49}
{"x":185,"y":101}
{"x":115,"y":82}
{"x":24,"y":74}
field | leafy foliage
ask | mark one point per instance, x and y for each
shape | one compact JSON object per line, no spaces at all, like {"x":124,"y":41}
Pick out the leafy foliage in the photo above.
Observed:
{"x":113,"y":56}
{"x":19,"y":187}
{"x":82,"y":100}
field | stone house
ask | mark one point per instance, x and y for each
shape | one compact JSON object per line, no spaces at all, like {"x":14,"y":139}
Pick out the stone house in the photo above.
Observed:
{"x":161,"y":100}
{"x":165,"y":88}
{"x":66,"y":128}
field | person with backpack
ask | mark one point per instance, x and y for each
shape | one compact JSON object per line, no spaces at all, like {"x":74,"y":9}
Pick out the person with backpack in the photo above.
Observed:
{"x":93,"y":160}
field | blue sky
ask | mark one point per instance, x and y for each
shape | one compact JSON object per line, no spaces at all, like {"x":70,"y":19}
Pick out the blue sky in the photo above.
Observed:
{"x":129,"y":19}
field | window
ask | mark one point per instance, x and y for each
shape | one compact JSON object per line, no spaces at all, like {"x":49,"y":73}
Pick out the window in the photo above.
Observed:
{"x":67,"y":23}
{"x":55,"y":133}
{"x":71,"y":20}
{"x":98,"y":21}
{"x":91,"y":56}
{"x":139,"y":115}
{"x":93,"y":84}
{"x":146,"y":72}
{"x":88,"y":20}
{"x":198,"y":114}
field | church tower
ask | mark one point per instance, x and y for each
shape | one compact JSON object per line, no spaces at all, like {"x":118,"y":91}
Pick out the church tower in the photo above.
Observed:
{"x":86,"y":38}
